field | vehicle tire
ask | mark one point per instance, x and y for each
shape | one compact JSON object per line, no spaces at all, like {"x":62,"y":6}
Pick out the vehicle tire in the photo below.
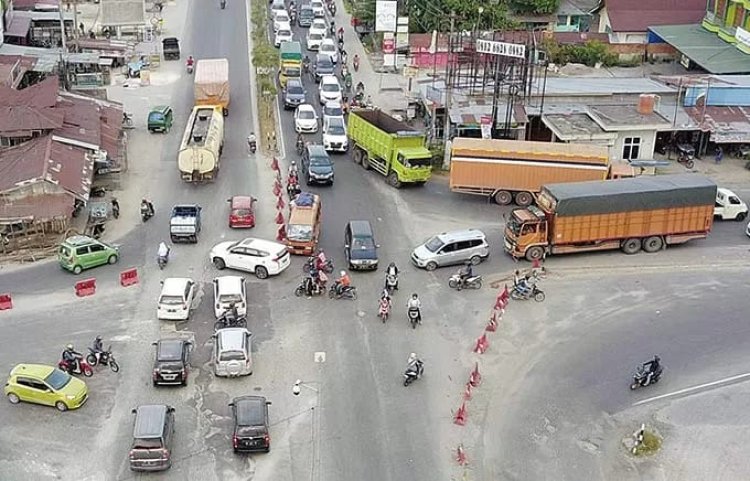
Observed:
{"x":353,"y":294}
{"x":477,"y":284}
{"x":183,"y":382}
{"x":91,"y":359}
{"x":452,"y":283}
{"x":407,"y":381}
{"x":515,"y":295}
{"x":634,"y":386}
{"x":539,"y":296}
{"x":261,"y":272}
{"x":631,"y":246}
{"x":534,"y":253}
{"x":219,"y":263}
{"x":475,"y":260}
{"x":61,"y":406}
{"x":502,"y":197}
{"x":331,"y":293}
{"x":690,"y":164}
{"x":13,"y":398}
{"x":653,"y":244}
{"x":114,"y":366}
{"x":393,"y":180}
{"x":218,"y":325}
{"x":88,"y":372}
{"x":299,"y":291}
{"x":741,"y":216}
{"x":112,"y":259}
{"x":431,"y":266}
{"x":77,"y":270}
{"x":524,"y":199}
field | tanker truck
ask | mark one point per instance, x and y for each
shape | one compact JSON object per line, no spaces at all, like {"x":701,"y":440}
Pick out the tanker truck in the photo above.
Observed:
{"x":202,"y":144}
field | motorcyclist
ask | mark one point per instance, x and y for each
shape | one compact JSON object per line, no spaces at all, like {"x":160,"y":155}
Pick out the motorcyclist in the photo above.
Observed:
{"x":252,"y":141}
{"x":466,"y":272}
{"x":293,"y":172}
{"x":190,"y":61}
{"x":342,"y":283}
{"x":146,"y":204}
{"x":414,"y":364}
{"x":415,"y":304}
{"x":360,"y":85}
{"x":300,"y":144}
{"x":97,"y":347}
{"x":72,"y":358}
{"x":321,"y":259}
{"x":306,"y":65}
{"x":524,"y":285}
{"x":343,"y":55}
{"x":340,"y":33}
{"x":652,"y":368}
{"x":332,"y":29}
{"x":163,"y":253}
{"x":355,"y":61}
{"x":391,"y":271}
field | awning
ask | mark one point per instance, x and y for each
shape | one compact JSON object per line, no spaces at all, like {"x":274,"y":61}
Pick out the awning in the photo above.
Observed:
{"x":704,"y":48}
{"x":19,"y":27}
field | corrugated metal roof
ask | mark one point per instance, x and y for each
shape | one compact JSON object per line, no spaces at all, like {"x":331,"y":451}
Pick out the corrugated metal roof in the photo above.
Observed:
{"x":639,"y":15}
{"x":704,"y":48}
{"x":37,"y":208}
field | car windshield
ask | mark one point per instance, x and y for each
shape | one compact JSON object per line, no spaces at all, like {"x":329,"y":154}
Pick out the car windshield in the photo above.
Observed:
{"x":336,"y":130}
{"x":320,"y":161}
{"x":514,"y":224}
{"x":285,"y":33}
{"x":325,"y":61}
{"x":170,"y":300}
{"x":57,"y":379}
{"x":298,"y":232}
{"x":330,"y":87}
{"x":282,"y":16}
{"x":434,"y":244}
{"x":306,"y":115}
{"x":170,"y":352}
{"x":292,"y":71}
{"x":227,"y":298}
{"x":232,"y":356}
{"x":65,"y":251}
{"x":333,"y":111}
{"x":155,"y":117}
{"x":295,"y":89}
{"x":315,"y":36}
{"x":327,"y":47}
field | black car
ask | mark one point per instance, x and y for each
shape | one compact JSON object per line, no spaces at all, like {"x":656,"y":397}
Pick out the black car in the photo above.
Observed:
{"x":171,"y":362}
{"x":359,"y":245}
{"x":316,"y":165}
{"x":294,"y":94}
{"x":250,"y":416}
{"x":323,"y":66}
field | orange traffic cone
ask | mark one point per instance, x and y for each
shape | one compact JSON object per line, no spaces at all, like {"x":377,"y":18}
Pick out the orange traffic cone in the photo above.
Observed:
{"x":460,"y":417}
{"x":461,"y":455}
{"x":475,"y":378}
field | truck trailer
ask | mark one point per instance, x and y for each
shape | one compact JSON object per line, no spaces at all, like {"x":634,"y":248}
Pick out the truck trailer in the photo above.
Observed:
{"x":202,"y":144}
{"x":515,"y":170}
{"x":390,"y":147}
{"x":211,"y":84}
{"x":646,"y":213}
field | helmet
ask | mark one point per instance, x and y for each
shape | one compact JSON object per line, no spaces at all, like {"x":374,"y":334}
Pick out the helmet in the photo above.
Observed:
{"x":294,"y":162}
{"x":69,"y":347}
{"x":413,"y":354}
{"x":98,"y":338}
{"x":392,"y":264}
{"x":343,"y":273}
{"x":656,"y":358}
{"x":414,"y":296}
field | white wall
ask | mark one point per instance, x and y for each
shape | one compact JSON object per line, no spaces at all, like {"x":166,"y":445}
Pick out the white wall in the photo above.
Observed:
{"x":648,"y":139}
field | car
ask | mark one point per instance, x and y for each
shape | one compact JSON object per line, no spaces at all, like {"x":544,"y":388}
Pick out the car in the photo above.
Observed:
{"x":334,"y":135}
{"x":277,"y":6}
{"x":328,"y":47}
{"x":323,"y":66}
{"x":171,"y":362}
{"x":305,"y":119}
{"x":251,"y":427}
{"x":241,"y":211}
{"x":333,"y":110}
{"x":314,"y":40}
{"x":729,"y":205}
{"x":281,"y":21}
{"x":359,"y":245}
{"x":232,"y":354}
{"x":80,"y":252}
{"x":283,"y":35}
{"x":305,"y":16}
{"x":160,"y":119}
{"x":153,"y":430}
{"x":319,"y":11}
{"x":316,"y":165}
{"x":294,"y":94}
{"x":230,"y":290}
{"x":261,"y":257}
{"x":47,"y":385}
{"x":176,"y":299}
{"x":448,"y":248}
{"x":329,"y":89}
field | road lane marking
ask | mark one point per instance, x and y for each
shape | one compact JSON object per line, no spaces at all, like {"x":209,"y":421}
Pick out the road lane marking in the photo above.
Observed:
{"x":693,"y":388}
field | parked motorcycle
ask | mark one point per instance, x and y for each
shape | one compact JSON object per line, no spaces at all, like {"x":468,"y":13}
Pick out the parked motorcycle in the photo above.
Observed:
{"x":127,"y":120}
{"x":83,"y":368}
{"x":228,"y":320}
{"x":413,"y":372}
{"x":104,"y":358}
{"x":455,"y":282}
{"x":308,"y":286}
{"x":349,"y":292}
{"x":640,"y":377}
{"x":326,"y":266}
{"x":414,"y":317}
{"x":524,"y":295}
{"x":685,"y":155}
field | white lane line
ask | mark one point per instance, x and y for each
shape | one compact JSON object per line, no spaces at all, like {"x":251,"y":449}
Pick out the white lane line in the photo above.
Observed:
{"x":694,"y":388}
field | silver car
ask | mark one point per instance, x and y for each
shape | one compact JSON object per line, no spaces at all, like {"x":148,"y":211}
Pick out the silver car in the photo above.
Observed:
{"x":232,"y":353}
{"x":449,"y":248}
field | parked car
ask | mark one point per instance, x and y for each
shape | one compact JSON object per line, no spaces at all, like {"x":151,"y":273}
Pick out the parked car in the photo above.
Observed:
{"x":334,"y":135}
{"x":329,"y":90}
{"x":294,"y":94}
{"x":80,"y":252}
{"x":171,"y":362}
{"x":233,"y":352}
{"x":359,"y":245}
{"x":316,"y":165}
{"x":251,"y":431}
{"x":283,"y":35}
{"x":305,"y":119}
{"x":47,"y":385}
{"x":333,"y":110}
{"x":261,"y":257}
{"x":242,"y":211}
{"x":314,"y":39}
{"x":323,"y":66}
{"x":328,"y":47}
{"x":176,"y":299}
{"x":160,"y":119}
{"x":153,"y":430}
{"x":448,"y":248}
{"x":229,"y":290}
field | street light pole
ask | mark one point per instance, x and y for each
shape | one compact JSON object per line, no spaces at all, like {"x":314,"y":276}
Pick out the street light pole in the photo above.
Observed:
{"x":448,"y":95}
{"x":315,"y":423}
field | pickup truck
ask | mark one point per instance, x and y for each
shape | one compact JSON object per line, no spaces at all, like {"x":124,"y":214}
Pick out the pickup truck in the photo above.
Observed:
{"x":185,"y":223}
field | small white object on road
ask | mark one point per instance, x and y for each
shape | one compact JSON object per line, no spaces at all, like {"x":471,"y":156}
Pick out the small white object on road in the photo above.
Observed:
{"x":320,"y":356}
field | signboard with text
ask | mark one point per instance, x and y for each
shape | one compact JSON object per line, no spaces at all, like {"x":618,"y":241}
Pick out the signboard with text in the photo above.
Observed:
{"x":491,"y":47}
{"x":385,"y":15}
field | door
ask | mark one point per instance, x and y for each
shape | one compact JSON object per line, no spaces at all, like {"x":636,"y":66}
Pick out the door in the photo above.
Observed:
{"x":347,"y":242}
{"x":33,"y":390}
{"x":238,"y":259}
{"x":82,"y":256}
{"x":96,"y":255}
{"x":447,"y":254}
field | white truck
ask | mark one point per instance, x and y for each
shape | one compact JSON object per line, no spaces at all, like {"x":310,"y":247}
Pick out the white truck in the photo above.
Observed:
{"x":729,"y":206}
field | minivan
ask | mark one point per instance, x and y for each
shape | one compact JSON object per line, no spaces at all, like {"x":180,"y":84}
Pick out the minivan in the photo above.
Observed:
{"x":448,"y":248}
{"x":228,"y":291}
{"x":316,"y":165}
{"x":153,"y":429}
{"x":359,"y":245}
{"x":232,"y":352}
{"x":251,"y":432}
{"x":305,"y":17}
{"x":176,"y":299}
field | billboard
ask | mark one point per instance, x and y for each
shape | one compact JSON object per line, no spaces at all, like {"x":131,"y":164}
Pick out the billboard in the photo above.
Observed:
{"x":385,"y":15}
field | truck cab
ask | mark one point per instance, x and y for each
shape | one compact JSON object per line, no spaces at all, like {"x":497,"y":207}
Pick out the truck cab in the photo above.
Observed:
{"x":729,"y":205}
{"x":526,"y":233}
{"x":185,"y":223}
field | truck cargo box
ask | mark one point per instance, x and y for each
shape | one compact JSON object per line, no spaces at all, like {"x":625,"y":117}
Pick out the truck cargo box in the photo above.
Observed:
{"x":211,"y":84}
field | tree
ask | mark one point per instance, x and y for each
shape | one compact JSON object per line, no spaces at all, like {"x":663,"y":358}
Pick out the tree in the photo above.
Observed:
{"x":535,"y":7}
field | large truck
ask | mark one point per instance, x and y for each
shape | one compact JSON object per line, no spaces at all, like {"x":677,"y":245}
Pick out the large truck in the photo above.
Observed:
{"x":644,"y":212}
{"x":202,"y":144}
{"x":290,"y":62}
{"x":390,"y":147}
{"x":515,"y":170}
{"x":211,"y":84}
{"x":185,"y":223}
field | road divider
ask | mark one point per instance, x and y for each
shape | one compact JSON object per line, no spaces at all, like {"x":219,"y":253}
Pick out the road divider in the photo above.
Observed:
{"x":6,"y":302}
{"x":86,"y":287}
{"x":129,"y":277}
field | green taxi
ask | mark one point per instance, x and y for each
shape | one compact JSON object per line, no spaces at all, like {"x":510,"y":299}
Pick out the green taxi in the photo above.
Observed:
{"x":41,"y":384}
{"x":81,"y":252}
{"x":160,"y":119}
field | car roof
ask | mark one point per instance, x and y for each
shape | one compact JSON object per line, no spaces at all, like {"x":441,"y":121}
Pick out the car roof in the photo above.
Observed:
{"x":242,"y":202}
{"x":249,"y":410}
{"x":328,"y":40}
{"x":232,"y":338}
{"x":462,"y":234}
{"x":317,"y":150}
{"x":336,"y":120}
{"x":323,"y":56}
{"x":329,"y":79}
{"x":35,"y":370}
{"x":149,"y":421}
{"x":260,"y":243}
{"x":229,"y":283}
{"x":330,"y":104}
{"x":170,"y":346}
{"x":80,"y":240}
{"x":360,"y":227}
{"x":295,"y":82}
{"x":306,"y":107}
{"x":174,"y":285}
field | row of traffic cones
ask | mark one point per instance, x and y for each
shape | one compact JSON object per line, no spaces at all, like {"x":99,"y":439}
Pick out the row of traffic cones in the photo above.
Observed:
{"x":278,"y":192}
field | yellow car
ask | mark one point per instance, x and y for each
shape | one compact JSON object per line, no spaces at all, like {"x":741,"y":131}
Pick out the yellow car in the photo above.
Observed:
{"x":40,"y":384}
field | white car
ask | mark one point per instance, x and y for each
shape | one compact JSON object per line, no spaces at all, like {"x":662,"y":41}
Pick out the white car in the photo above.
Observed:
{"x":283,"y":35}
{"x":319,"y":26}
{"x":277,"y":6}
{"x":176,"y":299}
{"x":330,"y":90}
{"x":319,"y":10}
{"x":729,"y":205}
{"x":281,"y":20}
{"x":333,"y":110}
{"x":305,"y":119}
{"x":328,"y":47}
{"x":334,"y":135}
{"x":314,"y":39}
{"x":229,"y":290}
{"x":261,"y":257}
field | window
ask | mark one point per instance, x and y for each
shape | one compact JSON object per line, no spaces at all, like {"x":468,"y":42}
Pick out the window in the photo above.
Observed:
{"x":93,"y":248}
{"x":631,"y":148}
{"x":82,"y":251}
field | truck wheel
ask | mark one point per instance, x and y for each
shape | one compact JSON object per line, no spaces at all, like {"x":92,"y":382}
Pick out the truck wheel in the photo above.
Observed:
{"x":534,"y":253}
{"x":741,"y":216}
{"x":503,"y":197}
{"x":631,"y":246}
{"x":524,"y":199}
{"x":653,"y":244}
{"x":393,"y":180}
{"x":357,"y":155}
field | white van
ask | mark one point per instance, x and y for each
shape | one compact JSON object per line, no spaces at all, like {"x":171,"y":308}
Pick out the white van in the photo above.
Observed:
{"x":729,"y":206}
{"x":176,"y":299}
{"x":230,"y":290}
{"x":232,"y":352}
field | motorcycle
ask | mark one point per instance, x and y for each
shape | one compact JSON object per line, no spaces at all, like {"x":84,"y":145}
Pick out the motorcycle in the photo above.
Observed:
{"x":308,"y":285}
{"x":526,"y":294}
{"x":413,"y":372}
{"x":300,"y":147}
{"x":162,"y":261}
{"x":384,"y":310}
{"x":349,"y":292}
{"x":414,"y":317}
{"x":293,"y":189}
{"x":83,"y":368}
{"x":355,"y":63}
{"x":685,"y":155}
{"x":189,"y":68}
{"x":146,"y":212}
{"x":127,"y":120}
{"x":228,"y":320}
{"x":391,"y":283}
{"x":326,"y":266}
{"x":332,"y":9}
{"x":640,"y":378}
{"x":104,"y":358}
{"x":455,"y":282}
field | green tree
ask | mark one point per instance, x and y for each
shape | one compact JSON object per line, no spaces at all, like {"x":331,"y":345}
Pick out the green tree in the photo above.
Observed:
{"x":538,"y":7}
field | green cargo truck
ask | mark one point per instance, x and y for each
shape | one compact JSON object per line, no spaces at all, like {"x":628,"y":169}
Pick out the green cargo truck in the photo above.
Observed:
{"x":290,"y":62}
{"x":390,"y":147}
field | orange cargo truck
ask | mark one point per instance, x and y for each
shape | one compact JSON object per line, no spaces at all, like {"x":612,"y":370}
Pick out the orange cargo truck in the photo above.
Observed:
{"x":646,"y":213}
{"x":515,"y":170}
{"x":303,"y":229}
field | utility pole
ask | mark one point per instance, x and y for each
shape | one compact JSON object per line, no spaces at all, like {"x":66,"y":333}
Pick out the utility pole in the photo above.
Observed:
{"x":448,"y":95}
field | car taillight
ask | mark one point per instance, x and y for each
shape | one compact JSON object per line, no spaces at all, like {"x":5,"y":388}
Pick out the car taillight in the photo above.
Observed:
{"x":183,"y":371}
{"x":131,"y":454}
{"x":156,"y":374}
{"x":267,"y":439}
{"x":233,"y":218}
{"x":235,"y":441}
{"x":164,"y":453}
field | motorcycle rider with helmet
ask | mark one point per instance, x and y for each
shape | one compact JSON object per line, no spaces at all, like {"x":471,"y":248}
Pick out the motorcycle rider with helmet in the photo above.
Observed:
{"x":342,"y":283}
{"x":414,"y":366}
{"x":652,"y":368}
{"x":97,"y":348}
{"x":163,"y":254}
{"x":391,"y":271}
{"x":464,"y":274}
{"x":415,"y":304}
{"x":72,"y":358}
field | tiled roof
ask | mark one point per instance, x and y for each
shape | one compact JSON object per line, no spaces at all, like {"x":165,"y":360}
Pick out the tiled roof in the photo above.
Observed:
{"x":638,"y":15}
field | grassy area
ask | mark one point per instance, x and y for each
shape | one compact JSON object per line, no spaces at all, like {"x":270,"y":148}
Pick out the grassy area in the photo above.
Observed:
{"x":651,"y":444}
{"x":265,"y":61}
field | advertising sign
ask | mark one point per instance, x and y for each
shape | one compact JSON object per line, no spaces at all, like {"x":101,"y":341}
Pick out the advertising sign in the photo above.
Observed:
{"x":386,"y":15}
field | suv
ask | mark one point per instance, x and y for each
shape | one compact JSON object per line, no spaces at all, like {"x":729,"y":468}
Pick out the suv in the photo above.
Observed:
{"x":152,"y":438}
{"x":232,"y":352}
{"x":40,"y":384}
{"x":250,"y":416}
{"x":454,"y":247}
{"x":171,"y":362}
{"x":305,"y":16}
{"x":359,"y":245}
{"x":81,"y":252}
{"x":230,"y":290}
{"x":323,"y":66}
{"x":316,"y":165}
{"x":334,"y":135}
{"x":294,"y":94}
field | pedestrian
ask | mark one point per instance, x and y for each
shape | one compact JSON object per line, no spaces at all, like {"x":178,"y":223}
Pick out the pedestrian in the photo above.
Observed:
{"x":82,"y":28}
{"x":115,"y":208}
{"x":719,"y":154}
